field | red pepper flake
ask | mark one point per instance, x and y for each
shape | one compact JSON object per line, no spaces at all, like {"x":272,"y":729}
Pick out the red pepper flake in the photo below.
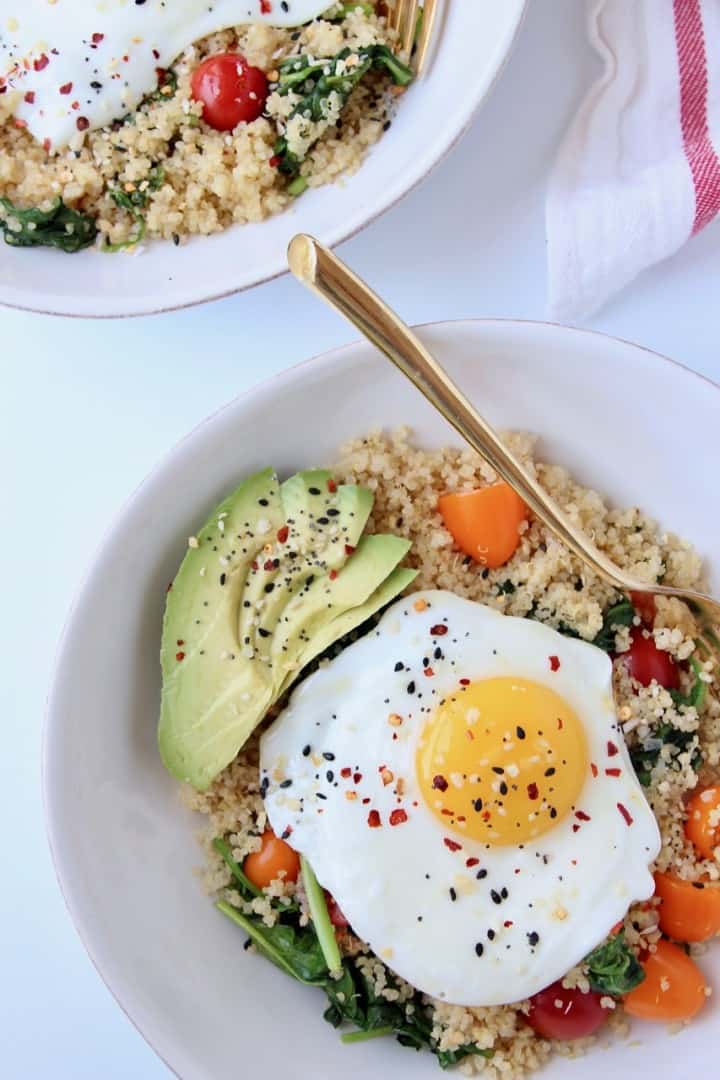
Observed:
{"x":582,"y":816}
{"x":576,"y":827}
{"x":486,"y":815}
{"x":438,"y":630}
{"x":508,"y":923}
{"x":282,"y":534}
{"x":274,"y":161}
{"x":46,"y":145}
{"x":464,"y":682}
{"x":625,"y":813}
{"x":429,"y":672}
{"x":613,"y":772}
{"x":41,"y":63}
{"x":593,"y":768}
{"x":180,"y":641}
{"x":398,"y":817}
{"x":179,"y":655}
{"x":254,"y":564}
{"x":346,"y":772}
{"x":532,"y":790}
{"x":20,"y":123}
{"x":374,"y":819}
{"x":333,"y":574}
{"x":82,"y":123}
{"x":357,"y":777}
{"x":268,"y":565}
{"x":30,"y":97}
{"x":156,"y":54}
{"x":560,"y":723}
{"x":612,"y":749}
{"x":469,"y":734}
{"x":332,"y":485}
{"x":97,"y":38}
{"x":66,"y":88}
{"x":452,"y":844}
{"x":440,"y":783}
{"x":349,"y":549}
{"x":554,"y":663}
{"x":265,"y":7}
{"x":471,"y":862}
{"x":365,"y":802}
{"x":447,"y":813}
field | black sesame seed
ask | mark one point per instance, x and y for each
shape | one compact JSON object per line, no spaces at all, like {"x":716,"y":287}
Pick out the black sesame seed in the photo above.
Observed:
{"x":286,"y":783}
{"x":263,"y":502}
{"x":223,"y":579}
{"x":550,"y":771}
{"x":306,"y":750}
{"x":478,"y":805}
{"x":491,"y":935}
{"x":411,"y":688}
{"x":453,"y":894}
{"x":269,"y":587}
{"x":264,"y":785}
{"x":495,"y":896}
{"x":321,"y":796}
{"x":503,"y":788}
{"x":479,"y":949}
{"x":399,"y":666}
{"x":263,"y":633}
{"x":520,"y":732}
{"x":328,"y":755}
{"x":330,"y":776}
{"x":314,"y":491}
{"x":504,"y":893}
{"x":498,"y":769}
{"x":533,"y":938}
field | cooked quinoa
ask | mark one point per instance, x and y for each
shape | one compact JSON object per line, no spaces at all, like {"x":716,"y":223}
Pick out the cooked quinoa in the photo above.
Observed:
{"x":542,"y":578}
{"x":193,"y":179}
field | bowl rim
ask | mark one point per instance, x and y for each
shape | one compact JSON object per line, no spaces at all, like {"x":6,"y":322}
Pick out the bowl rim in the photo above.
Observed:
{"x":338,"y":236}
{"x":319,"y":361}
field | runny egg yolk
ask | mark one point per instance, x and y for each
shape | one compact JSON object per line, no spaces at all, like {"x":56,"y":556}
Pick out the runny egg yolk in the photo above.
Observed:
{"x":502,"y":761}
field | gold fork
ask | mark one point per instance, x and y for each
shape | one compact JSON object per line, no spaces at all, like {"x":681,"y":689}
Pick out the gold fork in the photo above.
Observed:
{"x":403,"y":17}
{"x":331,"y":279}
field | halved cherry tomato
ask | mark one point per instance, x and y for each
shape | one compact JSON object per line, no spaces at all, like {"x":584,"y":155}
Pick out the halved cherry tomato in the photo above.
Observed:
{"x":646,"y":662}
{"x":557,"y":1013}
{"x":690,"y":910}
{"x":231,"y":91}
{"x":699,"y":828}
{"x":673,"y":988}
{"x":485,"y":523}
{"x":336,"y":916}
{"x":274,"y":856}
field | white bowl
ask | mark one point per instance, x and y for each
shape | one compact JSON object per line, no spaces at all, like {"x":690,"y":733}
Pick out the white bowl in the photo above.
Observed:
{"x":625,"y":420}
{"x":475,"y":40}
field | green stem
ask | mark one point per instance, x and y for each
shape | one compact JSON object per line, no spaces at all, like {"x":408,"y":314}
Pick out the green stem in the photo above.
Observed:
{"x":261,"y":941}
{"x":321,"y":919}
{"x":363,"y":1036}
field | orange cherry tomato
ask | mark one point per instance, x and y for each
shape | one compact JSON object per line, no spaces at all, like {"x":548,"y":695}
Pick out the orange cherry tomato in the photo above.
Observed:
{"x":274,"y":856}
{"x":673,"y":988}
{"x":690,"y":911}
{"x":485,"y":523}
{"x":699,"y":829}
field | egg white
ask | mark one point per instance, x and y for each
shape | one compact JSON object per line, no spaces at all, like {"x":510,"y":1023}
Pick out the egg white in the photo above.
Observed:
{"x":117,"y":45}
{"x":394,"y":883}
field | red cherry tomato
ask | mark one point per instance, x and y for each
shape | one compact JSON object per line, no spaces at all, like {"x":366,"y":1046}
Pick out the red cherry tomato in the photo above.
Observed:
{"x":230,"y":90}
{"x":646,"y":662}
{"x":644,"y":604}
{"x":336,"y":916}
{"x":557,"y":1013}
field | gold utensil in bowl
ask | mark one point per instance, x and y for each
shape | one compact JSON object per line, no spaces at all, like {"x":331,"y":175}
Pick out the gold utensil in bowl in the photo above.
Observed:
{"x":403,"y":16}
{"x":331,"y":279}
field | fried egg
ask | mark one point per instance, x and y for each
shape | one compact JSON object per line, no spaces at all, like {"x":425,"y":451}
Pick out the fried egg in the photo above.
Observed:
{"x":70,"y":66}
{"x":458,"y":781}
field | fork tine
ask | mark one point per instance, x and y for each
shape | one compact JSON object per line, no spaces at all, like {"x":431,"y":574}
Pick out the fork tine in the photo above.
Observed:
{"x":430,"y":8}
{"x":408,"y":26}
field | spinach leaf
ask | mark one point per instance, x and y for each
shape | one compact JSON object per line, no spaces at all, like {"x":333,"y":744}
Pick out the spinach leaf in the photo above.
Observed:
{"x":245,"y":886}
{"x":620,"y":614}
{"x":294,"y":949}
{"x":59,"y":227}
{"x":698,"y":692}
{"x":646,"y":756}
{"x":134,"y":201}
{"x":613,"y":968}
{"x":322,"y":81}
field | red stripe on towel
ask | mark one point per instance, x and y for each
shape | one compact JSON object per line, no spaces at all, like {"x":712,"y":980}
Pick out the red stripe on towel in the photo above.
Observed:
{"x":699,"y":150}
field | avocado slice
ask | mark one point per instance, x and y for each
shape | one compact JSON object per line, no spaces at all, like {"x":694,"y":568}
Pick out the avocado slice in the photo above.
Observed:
{"x":324,"y":598}
{"x":324,"y":522}
{"x":344,"y":624}
{"x":276,"y":575}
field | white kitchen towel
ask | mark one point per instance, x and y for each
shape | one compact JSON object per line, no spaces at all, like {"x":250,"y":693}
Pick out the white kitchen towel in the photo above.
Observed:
{"x":638,"y":171}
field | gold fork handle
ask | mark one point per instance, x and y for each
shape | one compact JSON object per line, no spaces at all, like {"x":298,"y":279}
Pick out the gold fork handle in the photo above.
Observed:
{"x":332,"y":280}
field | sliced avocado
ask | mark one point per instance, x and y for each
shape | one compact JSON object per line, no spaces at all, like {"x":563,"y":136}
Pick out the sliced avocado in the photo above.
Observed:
{"x":205,"y":676}
{"x":323,"y":598}
{"x":344,"y":624}
{"x":276,"y":575}
{"x":324,"y":522}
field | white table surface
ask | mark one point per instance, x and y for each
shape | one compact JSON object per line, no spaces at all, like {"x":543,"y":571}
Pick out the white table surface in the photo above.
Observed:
{"x":87,"y":408}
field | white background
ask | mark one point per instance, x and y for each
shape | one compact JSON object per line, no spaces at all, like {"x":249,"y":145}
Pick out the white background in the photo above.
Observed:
{"x":87,"y":408}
